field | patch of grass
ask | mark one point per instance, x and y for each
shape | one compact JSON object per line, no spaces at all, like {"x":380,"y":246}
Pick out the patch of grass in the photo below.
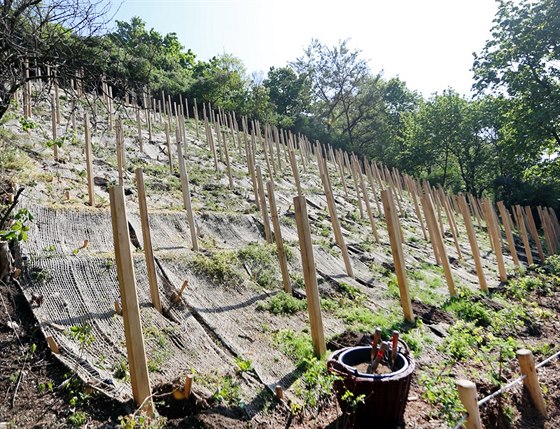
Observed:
{"x":296,"y":345}
{"x":283,"y":303}
{"x":262,"y":262}
{"x":220,"y":267}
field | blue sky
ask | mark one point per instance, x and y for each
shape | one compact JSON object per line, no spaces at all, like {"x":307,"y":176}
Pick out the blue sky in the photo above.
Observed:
{"x":427,"y":43}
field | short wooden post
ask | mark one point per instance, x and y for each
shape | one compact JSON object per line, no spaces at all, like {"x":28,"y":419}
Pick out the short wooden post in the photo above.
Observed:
{"x":264,"y":211}
{"x":472,"y":241}
{"x":188,"y":386}
{"x":493,"y":232}
{"x":89,"y":162}
{"x":531,"y":381}
{"x":139,"y":379}
{"x":468,"y":397}
{"x":310,"y":277}
{"x":504,"y":214}
{"x":534,"y":232}
{"x":147,"y":240}
{"x":282,"y":259}
{"x":430,"y":216}
{"x":279,"y":392}
{"x":523,"y":233}
{"x":396,"y":250}
{"x":186,"y":195}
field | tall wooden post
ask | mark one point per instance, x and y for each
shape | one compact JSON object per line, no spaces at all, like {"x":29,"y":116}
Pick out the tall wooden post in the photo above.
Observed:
{"x":493,"y":232}
{"x":507,"y":227}
{"x":534,"y":232}
{"x":396,"y":250}
{"x":53,"y":125}
{"x":366,"y":201}
{"x":186,"y":195}
{"x":310,"y":277}
{"x":431,"y":219}
{"x":295,"y":172}
{"x":282,"y":259}
{"x":339,"y":238}
{"x":523,"y":233}
{"x":472,"y":241}
{"x":139,"y":379}
{"x":147,"y":240}
{"x":89,"y":162}
{"x":264,"y":211}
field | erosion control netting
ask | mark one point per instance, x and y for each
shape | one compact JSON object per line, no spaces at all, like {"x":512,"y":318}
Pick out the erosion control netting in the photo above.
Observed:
{"x":211,"y":327}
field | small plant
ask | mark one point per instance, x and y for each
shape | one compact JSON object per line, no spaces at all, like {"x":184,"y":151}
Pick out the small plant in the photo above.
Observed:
{"x":45,"y":387}
{"x":58,"y":142}
{"x":27,"y":124}
{"x":228,"y":392}
{"x":83,"y":334}
{"x":261,"y":261}
{"x":19,"y":227}
{"x":244,"y":365}
{"x":120,"y":370}
{"x":78,"y":418}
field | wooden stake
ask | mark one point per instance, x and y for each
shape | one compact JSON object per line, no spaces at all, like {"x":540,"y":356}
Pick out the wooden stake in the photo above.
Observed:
{"x":431,"y":219}
{"x":472,"y":241}
{"x":339,"y":238}
{"x":264,"y":211}
{"x":53,"y":125}
{"x":186,"y":195}
{"x":139,"y":379}
{"x":493,"y":232}
{"x":295,"y":172}
{"x":417,"y":207}
{"x":523,"y":233}
{"x":282,"y":259}
{"x":468,"y":397}
{"x":396,"y":250}
{"x":509,"y":236}
{"x":531,"y":381}
{"x":368,"y":207}
{"x":120,"y":151}
{"x":432,"y":231}
{"x":534,"y":232}
{"x":451,"y":222}
{"x":547,"y":231}
{"x":89,"y":162}
{"x":310,"y":277}
{"x":147,"y":240}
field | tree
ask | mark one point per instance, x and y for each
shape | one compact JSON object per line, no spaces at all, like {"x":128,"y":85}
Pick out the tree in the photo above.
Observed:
{"x":290,"y":94}
{"x":43,"y":32}
{"x":522,"y":60}
{"x":221,"y":81}
{"x":336,"y":74}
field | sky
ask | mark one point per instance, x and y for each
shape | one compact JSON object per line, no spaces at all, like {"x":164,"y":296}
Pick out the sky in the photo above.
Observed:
{"x":426,"y":43}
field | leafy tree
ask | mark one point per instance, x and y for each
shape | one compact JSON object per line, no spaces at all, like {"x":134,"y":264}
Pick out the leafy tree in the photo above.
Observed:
{"x":290,"y":94}
{"x":222,"y":81}
{"x":522,"y":60}
{"x":336,"y":74}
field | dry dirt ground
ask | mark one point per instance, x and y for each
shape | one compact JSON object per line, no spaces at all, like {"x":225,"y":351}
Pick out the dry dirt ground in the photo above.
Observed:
{"x":233,"y":330}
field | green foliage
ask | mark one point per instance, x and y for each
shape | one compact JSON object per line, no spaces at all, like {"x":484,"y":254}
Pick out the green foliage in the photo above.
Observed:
{"x":78,"y":418}
{"x":440,"y":392}
{"x":58,"y":142}
{"x":19,"y":227}
{"x":296,"y":345}
{"x":315,"y":386}
{"x":283,"y":303}
{"x":26,"y":124}
{"x":244,"y":365}
{"x":228,"y":392}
